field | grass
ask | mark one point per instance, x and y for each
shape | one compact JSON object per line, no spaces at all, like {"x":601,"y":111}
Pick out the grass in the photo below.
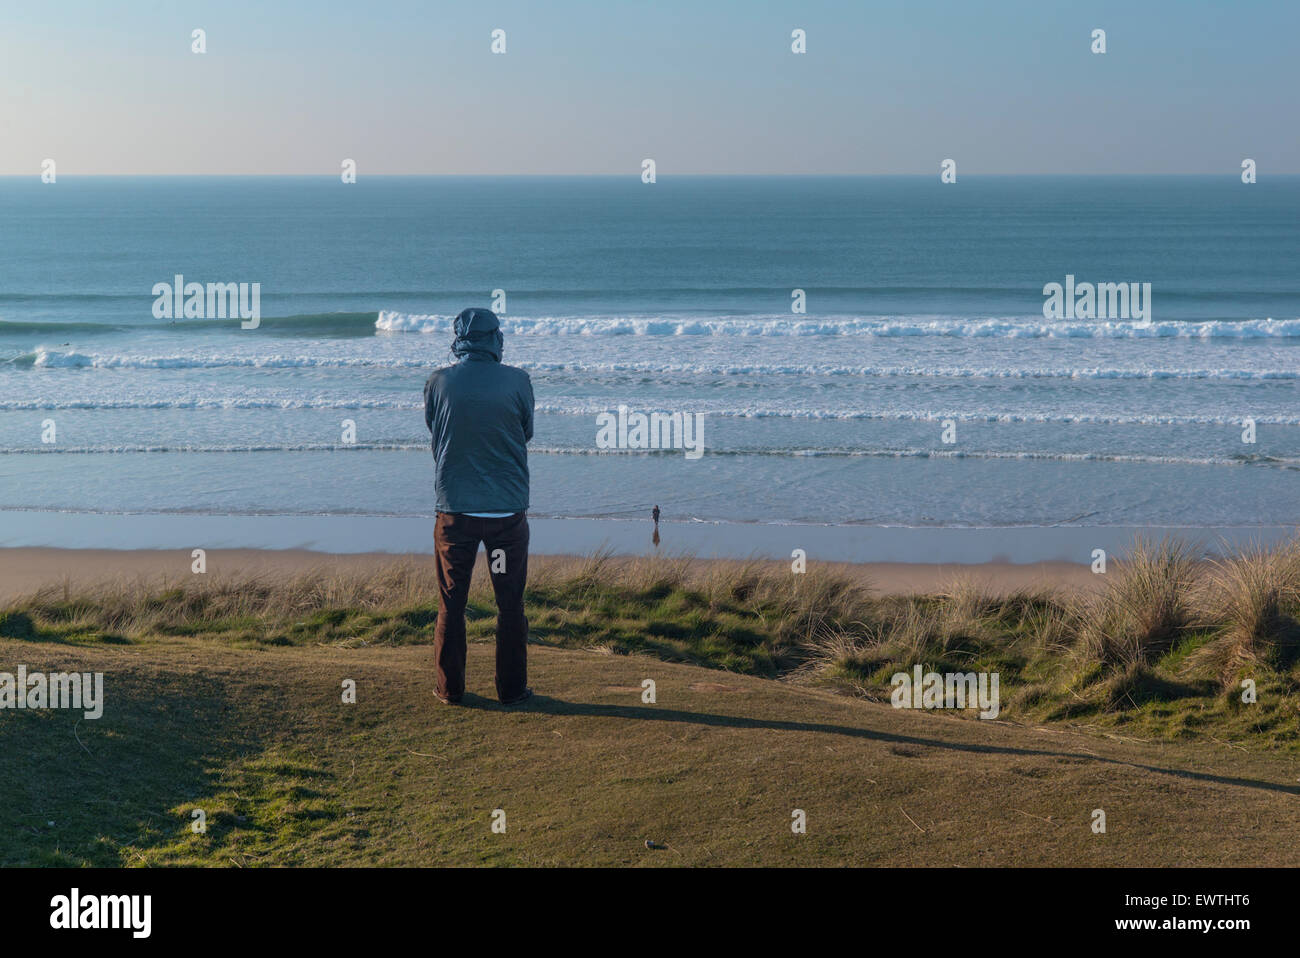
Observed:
{"x":224,"y":696}
{"x":1162,"y":648}
{"x":287,"y":775}
{"x":1144,"y":609}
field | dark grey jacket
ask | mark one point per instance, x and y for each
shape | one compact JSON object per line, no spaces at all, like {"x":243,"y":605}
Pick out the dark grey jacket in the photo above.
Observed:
{"x":480,"y":414}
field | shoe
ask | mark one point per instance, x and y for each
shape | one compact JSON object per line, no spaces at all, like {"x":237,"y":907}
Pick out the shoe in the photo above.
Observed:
{"x":446,"y":699}
{"x":527,"y":694}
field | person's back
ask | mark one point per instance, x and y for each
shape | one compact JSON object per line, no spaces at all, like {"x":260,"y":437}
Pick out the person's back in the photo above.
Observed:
{"x":480,"y":418}
{"x":480,"y":414}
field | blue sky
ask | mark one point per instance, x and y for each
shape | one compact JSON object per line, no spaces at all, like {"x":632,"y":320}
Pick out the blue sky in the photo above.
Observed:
{"x":595,"y":86}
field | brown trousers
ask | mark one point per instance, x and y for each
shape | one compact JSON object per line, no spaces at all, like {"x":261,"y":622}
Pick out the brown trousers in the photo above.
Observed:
{"x":456,"y":538}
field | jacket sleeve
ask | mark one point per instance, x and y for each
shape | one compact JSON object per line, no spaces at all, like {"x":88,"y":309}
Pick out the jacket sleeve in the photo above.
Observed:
{"x":428,"y":405}
{"x":528,"y":408}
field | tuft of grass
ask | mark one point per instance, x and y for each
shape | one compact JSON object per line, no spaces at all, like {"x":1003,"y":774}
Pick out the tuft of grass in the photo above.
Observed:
{"x":1256,"y":596}
{"x":1137,"y":684}
{"x":1144,"y":609}
{"x":17,"y":625}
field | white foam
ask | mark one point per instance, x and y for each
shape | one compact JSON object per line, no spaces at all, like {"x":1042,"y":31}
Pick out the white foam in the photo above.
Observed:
{"x":1008,"y":327}
{"x":591,"y":407}
{"x":53,"y":359}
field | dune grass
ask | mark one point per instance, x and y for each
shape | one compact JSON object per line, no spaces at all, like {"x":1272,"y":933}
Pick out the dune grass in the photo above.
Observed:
{"x":1160,"y":651}
{"x":225,"y":699}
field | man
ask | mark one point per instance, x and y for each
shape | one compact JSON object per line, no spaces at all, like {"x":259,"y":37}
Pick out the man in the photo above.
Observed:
{"x":480,"y":415}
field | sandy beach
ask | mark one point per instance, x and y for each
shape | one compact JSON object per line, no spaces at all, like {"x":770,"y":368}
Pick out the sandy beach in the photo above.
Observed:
{"x":25,"y":570}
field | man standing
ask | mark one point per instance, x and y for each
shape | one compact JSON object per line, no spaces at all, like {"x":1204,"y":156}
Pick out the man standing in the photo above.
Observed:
{"x":480,"y":415}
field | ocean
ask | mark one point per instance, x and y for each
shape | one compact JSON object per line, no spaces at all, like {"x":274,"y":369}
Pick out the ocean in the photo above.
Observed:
{"x":922,"y":388}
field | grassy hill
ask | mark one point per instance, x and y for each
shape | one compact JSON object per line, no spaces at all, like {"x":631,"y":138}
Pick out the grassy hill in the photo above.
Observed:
{"x":228,"y":698}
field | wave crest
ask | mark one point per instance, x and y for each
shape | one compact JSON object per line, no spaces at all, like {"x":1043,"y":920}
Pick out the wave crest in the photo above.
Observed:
{"x":1008,"y":328}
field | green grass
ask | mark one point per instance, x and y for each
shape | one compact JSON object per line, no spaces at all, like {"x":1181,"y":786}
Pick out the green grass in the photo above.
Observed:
{"x":289,"y":775}
{"x":225,"y":697}
{"x":1161,"y":650}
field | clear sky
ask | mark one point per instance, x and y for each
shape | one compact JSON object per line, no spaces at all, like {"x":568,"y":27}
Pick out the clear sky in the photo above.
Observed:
{"x":701,"y":86}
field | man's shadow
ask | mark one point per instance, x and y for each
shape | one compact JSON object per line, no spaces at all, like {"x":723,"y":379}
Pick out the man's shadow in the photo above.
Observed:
{"x":549,"y":705}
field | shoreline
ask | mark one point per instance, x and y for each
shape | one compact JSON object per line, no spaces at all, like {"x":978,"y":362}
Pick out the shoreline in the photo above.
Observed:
{"x":405,"y":535}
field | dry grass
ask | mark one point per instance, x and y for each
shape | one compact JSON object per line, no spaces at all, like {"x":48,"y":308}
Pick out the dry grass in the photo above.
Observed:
{"x":1145,"y":609}
{"x":224,"y":695}
{"x":1146,"y":647}
{"x":587,"y":773}
{"x":1253,"y":596}
{"x":144,"y":608}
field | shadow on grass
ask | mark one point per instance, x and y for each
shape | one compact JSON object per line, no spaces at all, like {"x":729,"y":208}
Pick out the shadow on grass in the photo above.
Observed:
{"x":22,"y":627}
{"x":553,"y":706}
{"x":90,"y":792}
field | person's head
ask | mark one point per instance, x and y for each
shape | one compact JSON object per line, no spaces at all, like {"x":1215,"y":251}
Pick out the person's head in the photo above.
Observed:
{"x":478,"y":333}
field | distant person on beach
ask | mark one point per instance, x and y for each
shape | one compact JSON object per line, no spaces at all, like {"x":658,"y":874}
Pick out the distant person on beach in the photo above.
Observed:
{"x":479,"y":412}
{"x":654,"y":514}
